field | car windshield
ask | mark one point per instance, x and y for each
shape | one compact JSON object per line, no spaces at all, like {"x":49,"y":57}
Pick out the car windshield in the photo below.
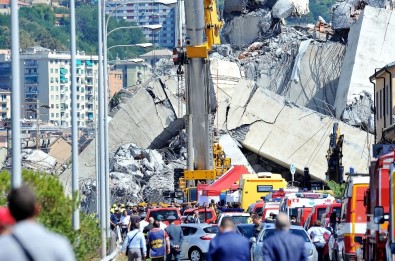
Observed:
{"x":337,"y":211}
{"x":299,"y":232}
{"x":320,"y":212}
{"x":211,"y":230}
{"x":246,"y":231}
{"x":240,"y":219}
{"x":165,"y":213}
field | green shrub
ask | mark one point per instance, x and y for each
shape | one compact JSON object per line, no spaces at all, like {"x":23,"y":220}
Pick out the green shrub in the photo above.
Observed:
{"x":56,"y":211}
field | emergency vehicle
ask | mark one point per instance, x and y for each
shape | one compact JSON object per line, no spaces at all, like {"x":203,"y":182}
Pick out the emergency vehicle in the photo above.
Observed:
{"x":292,"y":202}
{"x":353,"y":218}
{"x":270,"y":208}
{"x":303,"y":214}
{"x":377,"y":195}
{"x":255,"y":186}
{"x":316,"y":214}
{"x":335,"y":207}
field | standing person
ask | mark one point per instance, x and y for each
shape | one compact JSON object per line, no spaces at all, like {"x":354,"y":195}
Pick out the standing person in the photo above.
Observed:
{"x":159,"y":243}
{"x":114,"y":220}
{"x":176,"y":237}
{"x":316,"y":233}
{"x":134,"y":218}
{"x":195,"y":217}
{"x":6,"y":221}
{"x":147,"y":229}
{"x":30,"y":240}
{"x":135,"y":243}
{"x":228,"y":245}
{"x":258,"y":225}
{"x":125,"y":220}
{"x":283,"y":245}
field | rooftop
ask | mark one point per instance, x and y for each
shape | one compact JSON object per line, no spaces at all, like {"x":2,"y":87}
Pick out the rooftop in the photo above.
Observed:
{"x":157,"y":53}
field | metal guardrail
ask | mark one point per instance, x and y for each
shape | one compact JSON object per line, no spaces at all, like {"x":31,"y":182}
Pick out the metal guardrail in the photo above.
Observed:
{"x":112,"y":255}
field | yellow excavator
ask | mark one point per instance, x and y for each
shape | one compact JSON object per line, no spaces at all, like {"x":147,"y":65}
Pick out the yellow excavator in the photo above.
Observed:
{"x":206,"y":159}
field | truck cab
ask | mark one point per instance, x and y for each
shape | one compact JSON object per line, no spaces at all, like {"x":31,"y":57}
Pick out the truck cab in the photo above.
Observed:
{"x":255,"y":186}
{"x":352,"y":226}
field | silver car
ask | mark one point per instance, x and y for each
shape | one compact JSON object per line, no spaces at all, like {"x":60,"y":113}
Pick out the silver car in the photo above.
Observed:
{"x":268,"y":230}
{"x":197,"y":240}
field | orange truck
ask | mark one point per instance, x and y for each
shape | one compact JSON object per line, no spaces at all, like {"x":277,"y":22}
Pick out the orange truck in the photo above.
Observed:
{"x":377,"y":195}
{"x":352,"y":226}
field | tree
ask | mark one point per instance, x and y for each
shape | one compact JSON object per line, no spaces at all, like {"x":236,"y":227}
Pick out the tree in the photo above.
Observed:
{"x":338,"y":189}
{"x":56,"y":212}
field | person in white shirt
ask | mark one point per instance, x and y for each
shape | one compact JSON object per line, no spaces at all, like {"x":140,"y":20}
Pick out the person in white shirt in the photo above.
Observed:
{"x":317,"y":233}
{"x":125,"y":219}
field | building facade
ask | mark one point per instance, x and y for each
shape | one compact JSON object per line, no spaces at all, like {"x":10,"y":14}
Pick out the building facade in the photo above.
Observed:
{"x":134,"y":71}
{"x":147,"y":12}
{"x":115,"y":82}
{"x":46,"y":82}
{"x":5,"y":104}
{"x":384,"y":97}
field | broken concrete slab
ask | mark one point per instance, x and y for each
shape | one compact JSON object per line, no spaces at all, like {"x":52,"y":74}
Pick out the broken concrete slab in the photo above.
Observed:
{"x":282,"y":132}
{"x":370,"y":46}
{"x":341,"y":15}
{"x":242,"y":30}
{"x":143,"y":120}
{"x":282,"y":9}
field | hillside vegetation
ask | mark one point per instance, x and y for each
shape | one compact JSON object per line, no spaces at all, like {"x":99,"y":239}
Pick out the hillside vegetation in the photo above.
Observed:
{"x":37,"y":28}
{"x":317,"y":8}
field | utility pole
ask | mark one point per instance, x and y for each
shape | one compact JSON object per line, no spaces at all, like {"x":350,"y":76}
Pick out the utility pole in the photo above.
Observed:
{"x":101,"y":133}
{"x":16,"y":172}
{"x":106,"y":89}
{"x":74,"y":118}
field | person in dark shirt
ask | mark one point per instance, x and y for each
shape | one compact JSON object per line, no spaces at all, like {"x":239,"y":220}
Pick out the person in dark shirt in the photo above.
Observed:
{"x":283,"y":245}
{"x":228,"y":245}
{"x":114,"y":218}
{"x":258,"y":225}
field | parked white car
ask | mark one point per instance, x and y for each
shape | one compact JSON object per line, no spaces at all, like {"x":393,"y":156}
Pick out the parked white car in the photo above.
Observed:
{"x":197,"y":240}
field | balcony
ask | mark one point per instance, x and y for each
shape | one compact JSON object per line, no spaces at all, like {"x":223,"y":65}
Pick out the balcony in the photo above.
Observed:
{"x":31,"y":91}
{"x":31,"y":64}
{"x":3,"y":109}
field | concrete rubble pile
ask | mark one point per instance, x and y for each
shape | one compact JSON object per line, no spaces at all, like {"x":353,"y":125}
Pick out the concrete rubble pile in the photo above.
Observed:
{"x":38,"y":160}
{"x":149,"y":119}
{"x":370,"y":46}
{"x":253,"y":20}
{"x":136,"y":175}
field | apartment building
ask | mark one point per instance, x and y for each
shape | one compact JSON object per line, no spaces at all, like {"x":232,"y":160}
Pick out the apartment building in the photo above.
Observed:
{"x":384,"y":83}
{"x":115,"y":82}
{"x":5,"y":104}
{"x":46,"y":86}
{"x":134,"y":71}
{"x":147,"y":12}
{"x":5,"y":6}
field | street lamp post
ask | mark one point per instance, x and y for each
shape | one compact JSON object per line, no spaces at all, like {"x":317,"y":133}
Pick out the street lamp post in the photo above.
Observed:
{"x":104,"y":138}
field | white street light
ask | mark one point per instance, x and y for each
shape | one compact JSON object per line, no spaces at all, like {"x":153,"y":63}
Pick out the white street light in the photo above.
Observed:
{"x":151,"y":27}
{"x":169,"y":3}
{"x":144,"y":45}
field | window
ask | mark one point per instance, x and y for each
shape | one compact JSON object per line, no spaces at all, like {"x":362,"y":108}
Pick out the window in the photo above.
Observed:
{"x":51,"y":79}
{"x":188,"y":231}
{"x":381,"y":104}
{"x":57,"y":115}
{"x":57,"y":97}
{"x":57,"y":88}
{"x":56,"y":70}
{"x":52,"y":115}
{"x":51,"y":70}
{"x":377,"y":105}
{"x":57,"y":106}
{"x":52,"y":97}
{"x":51,"y":88}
